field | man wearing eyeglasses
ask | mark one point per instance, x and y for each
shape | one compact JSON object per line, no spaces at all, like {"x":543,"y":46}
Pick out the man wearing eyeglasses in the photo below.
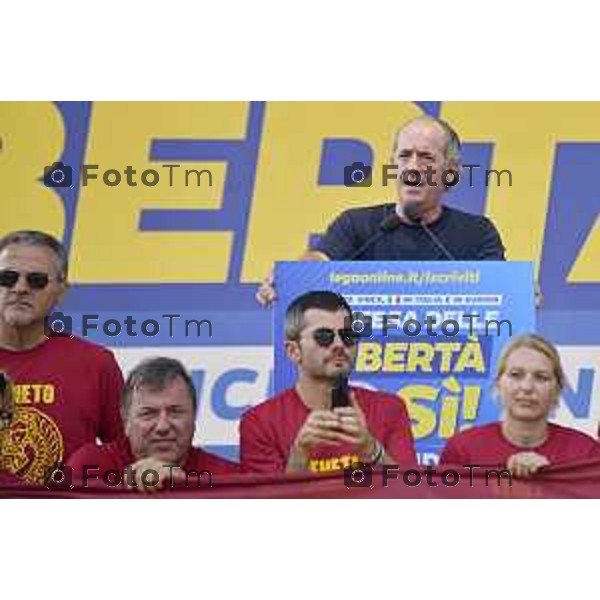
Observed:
{"x":66,"y":389}
{"x":298,"y":430}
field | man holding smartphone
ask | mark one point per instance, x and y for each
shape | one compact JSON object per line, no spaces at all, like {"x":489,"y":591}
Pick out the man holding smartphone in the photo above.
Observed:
{"x":299,"y":429}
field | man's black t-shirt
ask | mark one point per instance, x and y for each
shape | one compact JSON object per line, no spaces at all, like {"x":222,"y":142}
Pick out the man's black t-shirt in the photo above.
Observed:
{"x":466,"y":236}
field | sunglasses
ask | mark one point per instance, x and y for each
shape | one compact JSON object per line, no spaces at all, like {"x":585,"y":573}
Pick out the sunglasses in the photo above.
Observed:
{"x":325,"y":336}
{"x":36,"y":281}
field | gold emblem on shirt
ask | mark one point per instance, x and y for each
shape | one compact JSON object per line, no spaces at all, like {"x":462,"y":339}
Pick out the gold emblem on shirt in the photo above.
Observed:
{"x":32,"y":443}
{"x":334,"y":463}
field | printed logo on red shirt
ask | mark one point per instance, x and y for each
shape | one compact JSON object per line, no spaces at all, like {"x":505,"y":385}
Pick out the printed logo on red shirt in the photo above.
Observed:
{"x":34,"y":393}
{"x":332,"y":463}
{"x":31,"y":443}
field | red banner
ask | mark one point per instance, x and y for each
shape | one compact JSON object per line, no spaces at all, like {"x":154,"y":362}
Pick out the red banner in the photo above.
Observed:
{"x":580,"y":480}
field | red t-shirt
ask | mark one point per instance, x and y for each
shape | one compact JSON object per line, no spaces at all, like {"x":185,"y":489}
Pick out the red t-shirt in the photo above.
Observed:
{"x":268,"y":431}
{"x":67,"y":394}
{"x":486,"y":446}
{"x":117,"y":455}
{"x":6,"y":479}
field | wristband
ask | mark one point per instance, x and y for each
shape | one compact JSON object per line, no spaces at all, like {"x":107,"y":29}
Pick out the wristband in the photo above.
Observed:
{"x":377,"y":455}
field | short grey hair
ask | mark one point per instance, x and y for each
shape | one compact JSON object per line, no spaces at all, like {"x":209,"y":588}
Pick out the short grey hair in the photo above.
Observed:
{"x":453,"y":150}
{"x":39,"y":238}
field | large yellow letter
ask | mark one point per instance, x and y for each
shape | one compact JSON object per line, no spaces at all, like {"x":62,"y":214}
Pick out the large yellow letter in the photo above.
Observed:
{"x":587,"y":266}
{"x":288,"y":202}
{"x":107,"y":245}
{"x":32,"y":137}
{"x":525,"y":136}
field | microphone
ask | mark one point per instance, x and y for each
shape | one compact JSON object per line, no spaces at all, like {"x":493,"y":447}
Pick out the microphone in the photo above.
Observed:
{"x":412,"y":211}
{"x":390,"y":223}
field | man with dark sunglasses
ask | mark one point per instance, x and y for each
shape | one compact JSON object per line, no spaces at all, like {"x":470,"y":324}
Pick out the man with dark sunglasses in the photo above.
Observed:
{"x":299,"y":430}
{"x":66,"y":390}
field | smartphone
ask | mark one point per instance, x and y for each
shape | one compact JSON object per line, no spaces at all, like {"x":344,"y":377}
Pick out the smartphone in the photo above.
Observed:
{"x":340,"y":394}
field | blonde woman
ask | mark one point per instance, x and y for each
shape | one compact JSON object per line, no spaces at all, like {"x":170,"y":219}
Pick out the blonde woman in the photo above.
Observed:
{"x":528,"y":382}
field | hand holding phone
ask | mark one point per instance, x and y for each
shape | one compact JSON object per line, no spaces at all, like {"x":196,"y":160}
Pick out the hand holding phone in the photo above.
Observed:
{"x":340,"y":393}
